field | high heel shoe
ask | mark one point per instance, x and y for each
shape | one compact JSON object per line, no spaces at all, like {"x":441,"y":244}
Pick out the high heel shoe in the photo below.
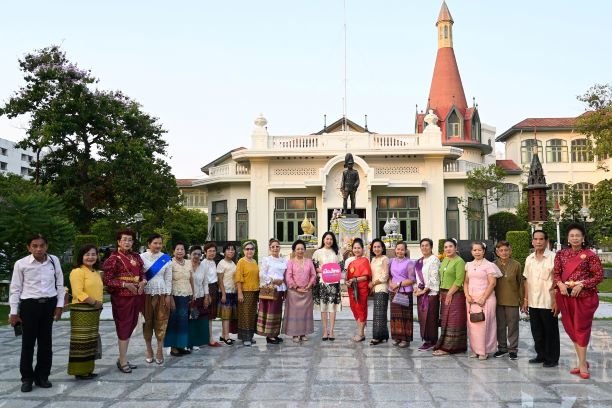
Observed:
{"x":357,"y":339}
{"x":576,"y":370}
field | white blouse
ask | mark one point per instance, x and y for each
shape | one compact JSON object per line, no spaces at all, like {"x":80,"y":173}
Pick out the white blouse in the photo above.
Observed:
{"x":161,"y":284}
{"x":272,"y":268}
{"x":431,"y":274}
{"x":200,"y":282}
{"x":211,"y":270}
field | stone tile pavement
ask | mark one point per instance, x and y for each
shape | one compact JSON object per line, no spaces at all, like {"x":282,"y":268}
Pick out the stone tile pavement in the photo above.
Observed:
{"x":314,"y":374}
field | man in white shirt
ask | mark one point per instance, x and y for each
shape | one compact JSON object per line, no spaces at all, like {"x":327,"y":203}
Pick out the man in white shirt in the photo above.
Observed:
{"x":540,"y":301}
{"x":36,"y":300}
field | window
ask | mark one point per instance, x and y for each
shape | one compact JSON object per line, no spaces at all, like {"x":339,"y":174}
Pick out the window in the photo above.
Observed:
{"x":585,"y":189}
{"x":476,"y":220}
{"x":242,"y":219}
{"x":445,"y":32}
{"x":406,"y":210}
{"x":26,"y":157}
{"x":510,"y":198}
{"x":527,"y":149}
{"x":476,"y":134}
{"x":25,"y":171}
{"x":2,"y":166}
{"x":219,"y":220}
{"x":556,"y":151}
{"x":581,"y":151}
{"x":289,"y":212}
{"x":452,"y":217}
{"x":453,"y":126}
{"x":3,"y":151}
{"x":556,"y":192}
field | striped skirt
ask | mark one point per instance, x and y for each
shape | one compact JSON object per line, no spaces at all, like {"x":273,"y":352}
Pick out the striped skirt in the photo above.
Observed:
{"x":270,"y":315}
{"x":247,"y":315}
{"x":401,"y":320}
{"x":177,"y":334}
{"x":84,"y":325}
{"x":453,"y":323}
{"x":428,"y":308}
{"x":298,"y":319}
{"x":213,"y":292}
{"x":380,"y":330}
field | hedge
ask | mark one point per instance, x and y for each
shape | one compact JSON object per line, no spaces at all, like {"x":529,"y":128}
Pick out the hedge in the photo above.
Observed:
{"x":441,"y":246}
{"x":520,"y":242}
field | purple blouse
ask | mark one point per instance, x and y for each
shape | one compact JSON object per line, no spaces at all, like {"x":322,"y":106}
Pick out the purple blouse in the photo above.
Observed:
{"x":402,"y":270}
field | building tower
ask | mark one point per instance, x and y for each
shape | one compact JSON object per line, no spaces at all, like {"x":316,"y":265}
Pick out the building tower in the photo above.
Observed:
{"x":460,"y":124}
{"x":536,"y":191}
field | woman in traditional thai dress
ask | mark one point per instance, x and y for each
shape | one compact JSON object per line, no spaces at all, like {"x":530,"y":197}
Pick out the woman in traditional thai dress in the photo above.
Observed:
{"x":87,"y":292}
{"x":177,"y":335}
{"x":427,"y":276}
{"x":247,"y":285}
{"x":327,"y":296}
{"x":479,"y":288}
{"x":300,"y":278}
{"x":158,"y":296}
{"x":358,"y":277}
{"x":125,"y":280}
{"x":401,"y":279}
{"x":198,"y":318}
{"x":270,"y":314}
{"x":453,"y":315}
{"x":210,"y":251}
{"x":228,"y":301}
{"x":379,"y":265}
{"x":577,"y":273}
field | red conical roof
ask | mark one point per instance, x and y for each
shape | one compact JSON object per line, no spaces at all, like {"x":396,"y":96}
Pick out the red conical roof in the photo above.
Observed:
{"x":446,"y":87}
{"x":445,"y":14}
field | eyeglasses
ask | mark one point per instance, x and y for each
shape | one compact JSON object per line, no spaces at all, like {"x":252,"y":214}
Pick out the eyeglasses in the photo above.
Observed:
{"x":126,"y":240}
{"x":275,"y":246}
{"x":249,"y":249}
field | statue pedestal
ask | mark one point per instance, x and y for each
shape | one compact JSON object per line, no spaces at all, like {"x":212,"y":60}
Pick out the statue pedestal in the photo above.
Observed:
{"x":348,"y":228}
{"x":350,"y":216}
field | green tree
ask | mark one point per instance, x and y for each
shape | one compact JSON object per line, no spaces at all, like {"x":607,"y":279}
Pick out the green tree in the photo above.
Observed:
{"x":25,"y":214}
{"x":502,"y":222}
{"x":484,"y":184}
{"x":571,"y":203}
{"x":186,"y":225}
{"x":104,"y":155}
{"x":596,"y":124}
{"x":601,"y":213}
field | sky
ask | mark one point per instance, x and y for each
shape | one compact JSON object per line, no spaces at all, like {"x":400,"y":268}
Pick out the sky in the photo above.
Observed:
{"x":207,"y":69}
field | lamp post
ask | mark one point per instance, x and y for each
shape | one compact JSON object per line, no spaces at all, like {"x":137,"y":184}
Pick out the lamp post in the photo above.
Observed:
{"x":557,"y":216}
{"x":584,"y":213}
{"x":138,"y":218}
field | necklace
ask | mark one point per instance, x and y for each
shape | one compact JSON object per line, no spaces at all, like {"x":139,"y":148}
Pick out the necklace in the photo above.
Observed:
{"x":132,"y":261}
{"x":181,"y":262}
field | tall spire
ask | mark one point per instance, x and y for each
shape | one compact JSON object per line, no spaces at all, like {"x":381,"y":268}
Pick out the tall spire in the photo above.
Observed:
{"x":536,"y":190}
{"x":445,"y":27}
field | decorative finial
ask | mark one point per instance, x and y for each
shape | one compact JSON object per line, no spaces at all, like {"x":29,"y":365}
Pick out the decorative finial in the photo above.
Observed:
{"x":261,"y":121}
{"x":366,"y":123}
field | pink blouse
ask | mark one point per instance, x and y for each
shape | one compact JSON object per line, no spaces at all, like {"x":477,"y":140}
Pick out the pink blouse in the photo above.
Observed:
{"x":298,"y":276}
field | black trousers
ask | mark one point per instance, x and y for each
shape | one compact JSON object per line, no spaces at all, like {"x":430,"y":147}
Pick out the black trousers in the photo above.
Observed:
{"x":37,"y":322}
{"x":545,"y":332}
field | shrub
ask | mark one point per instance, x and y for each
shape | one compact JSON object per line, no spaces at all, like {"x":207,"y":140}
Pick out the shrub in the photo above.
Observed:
{"x":502,"y":222}
{"x":520,"y":241}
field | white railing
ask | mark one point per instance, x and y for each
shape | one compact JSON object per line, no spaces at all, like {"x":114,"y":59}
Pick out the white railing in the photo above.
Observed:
{"x":393,"y":141}
{"x":229,"y":169}
{"x":295,"y":142}
{"x":460,"y":166}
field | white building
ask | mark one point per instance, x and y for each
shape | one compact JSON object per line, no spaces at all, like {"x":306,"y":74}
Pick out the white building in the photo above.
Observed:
{"x":16,"y":161}
{"x":267,"y":189}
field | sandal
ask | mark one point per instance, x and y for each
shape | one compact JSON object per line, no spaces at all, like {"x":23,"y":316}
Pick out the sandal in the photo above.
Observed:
{"x":304,"y":338}
{"x":175,"y":353}
{"x":125,"y":368}
{"x":439,"y":353}
{"x":403,"y":344}
{"x":229,"y":342}
{"x":296,"y":339}
{"x":149,"y":360}
{"x":375,"y":342}
{"x":357,"y":339}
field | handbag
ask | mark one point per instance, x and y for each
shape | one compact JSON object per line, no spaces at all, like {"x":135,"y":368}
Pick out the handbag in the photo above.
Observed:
{"x":99,"y":348}
{"x":268,"y":292}
{"x":476,"y":317}
{"x":402,"y":299}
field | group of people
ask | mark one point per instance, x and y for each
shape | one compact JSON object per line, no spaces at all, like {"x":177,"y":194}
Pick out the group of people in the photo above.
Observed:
{"x":180,"y":296}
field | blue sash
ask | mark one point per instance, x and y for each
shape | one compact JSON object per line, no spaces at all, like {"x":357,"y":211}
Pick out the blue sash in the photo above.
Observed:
{"x":157,"y":266}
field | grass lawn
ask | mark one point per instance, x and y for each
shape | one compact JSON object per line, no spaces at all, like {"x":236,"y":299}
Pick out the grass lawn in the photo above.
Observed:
{"x":4,"y":311}
{"x":605,"y":299}
{"x":605,"y":285}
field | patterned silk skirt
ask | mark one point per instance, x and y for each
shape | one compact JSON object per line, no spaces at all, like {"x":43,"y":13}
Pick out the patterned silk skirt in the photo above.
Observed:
{"x":125,"y":314}
{"x":453,"y":323}
{"x":247,"y":315}
{"x":177,"y":335}
{"x":298,"y":319}
{"x":401,"y":320}
{"x":428,"y":309}
{"x":229,"y":311}
{"x":156,"y":315}
{"x":270,"y":315}
{"x":198,"y":324}
{"x":84,"y":325}
{"x":380,"y":330}
{"x":213,"y":292}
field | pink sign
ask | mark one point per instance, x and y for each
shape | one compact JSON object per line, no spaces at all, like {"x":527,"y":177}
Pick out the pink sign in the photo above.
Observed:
{"x":331,"y":273}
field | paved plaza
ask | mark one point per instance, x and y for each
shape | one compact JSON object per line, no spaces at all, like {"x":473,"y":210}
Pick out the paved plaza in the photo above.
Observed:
{"x":314,"y":374}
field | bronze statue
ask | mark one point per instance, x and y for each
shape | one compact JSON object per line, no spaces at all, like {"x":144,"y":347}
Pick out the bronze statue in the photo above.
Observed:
{"x":350,"y":182}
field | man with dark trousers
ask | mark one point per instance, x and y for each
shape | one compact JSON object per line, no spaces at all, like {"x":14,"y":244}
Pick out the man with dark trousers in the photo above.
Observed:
{"x":36,"y":300}
{"x":540,"y":302}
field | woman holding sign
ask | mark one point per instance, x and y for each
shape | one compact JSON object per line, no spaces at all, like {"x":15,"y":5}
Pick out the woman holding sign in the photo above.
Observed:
{"x":358,"y":276}
{"x":271,"y":275}
{"x":327,"y":295}
{"x":577,"y":273}
{"x":300,"y":277}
